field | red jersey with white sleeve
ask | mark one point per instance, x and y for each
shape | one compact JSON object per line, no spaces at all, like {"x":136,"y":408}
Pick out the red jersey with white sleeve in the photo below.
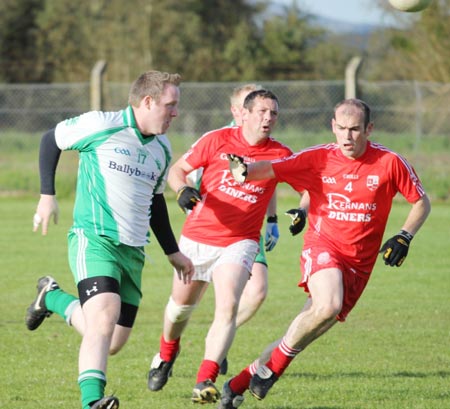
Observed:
{"x":350,"y":198}
{"x":229,"y":211}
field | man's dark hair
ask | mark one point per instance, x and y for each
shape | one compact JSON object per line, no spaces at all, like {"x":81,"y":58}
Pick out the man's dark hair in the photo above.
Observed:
{"x":249,"y":100}
{"x":358,"y":103}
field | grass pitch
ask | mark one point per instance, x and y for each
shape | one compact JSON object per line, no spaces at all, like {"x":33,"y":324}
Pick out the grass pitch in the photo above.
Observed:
{"x":393,"y":351}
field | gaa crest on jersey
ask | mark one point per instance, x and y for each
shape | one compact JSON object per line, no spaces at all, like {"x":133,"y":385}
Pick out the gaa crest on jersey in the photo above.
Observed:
{"x":373,"y":182}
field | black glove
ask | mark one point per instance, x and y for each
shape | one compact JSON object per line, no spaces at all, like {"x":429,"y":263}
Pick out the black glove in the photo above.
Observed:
{"x":298,"y":217}
{"x":187,"y":198}
{"x":396,"y":249}
{"x":237,"y":167}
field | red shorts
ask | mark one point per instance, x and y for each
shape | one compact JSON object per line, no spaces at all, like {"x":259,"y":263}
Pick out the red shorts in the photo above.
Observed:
{"x":316,"y":258}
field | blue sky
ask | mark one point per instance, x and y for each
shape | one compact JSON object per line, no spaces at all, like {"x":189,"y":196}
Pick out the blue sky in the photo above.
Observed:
{"x":353,"y":11}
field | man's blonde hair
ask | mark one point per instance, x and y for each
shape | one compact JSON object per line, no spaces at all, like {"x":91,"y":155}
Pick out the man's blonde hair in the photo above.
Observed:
{"x":247,"y":88}
{"x":151,"y":83}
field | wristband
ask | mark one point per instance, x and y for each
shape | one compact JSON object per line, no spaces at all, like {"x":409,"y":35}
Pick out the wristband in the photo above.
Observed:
{"x":272,"y":219}
{"x":406,"y":234}
{"x":181,"y":188}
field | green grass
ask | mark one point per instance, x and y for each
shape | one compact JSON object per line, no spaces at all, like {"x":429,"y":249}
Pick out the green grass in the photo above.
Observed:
{"x":393,"y":351}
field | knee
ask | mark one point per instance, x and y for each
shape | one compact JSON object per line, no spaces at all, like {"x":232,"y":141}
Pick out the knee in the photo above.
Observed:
{"x":178,"y":313}
{"x":119,"y":339}
{"x":102,"y":325}
{"x":259,"y":296}
{"x":253,"y":300}
{"x":101,"y":314}
{"x":255,"y":291}
{"x":327,"y":311}
{"x":114,"y":349}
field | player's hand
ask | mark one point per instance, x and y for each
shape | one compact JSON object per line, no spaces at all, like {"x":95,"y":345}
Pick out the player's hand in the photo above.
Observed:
{"x":298,"y":222}
{"x":272,"y":233}
{"x":396,"y":249}
{"x":183,"y":266}
{"x":187,"y":198}
{"x":237,"y":167}
{"x":47,"y":209}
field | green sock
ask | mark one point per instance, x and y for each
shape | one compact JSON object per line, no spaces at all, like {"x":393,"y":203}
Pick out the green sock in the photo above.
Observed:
{"x":92,"y":386}
{"x":61,"y":302}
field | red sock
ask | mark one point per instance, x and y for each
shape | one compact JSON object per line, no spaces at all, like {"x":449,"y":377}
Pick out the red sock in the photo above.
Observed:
{"x":168,"y":349}
{"x":281,"y":357}
{"x":208,"y":370}
{"x":239,"y":384}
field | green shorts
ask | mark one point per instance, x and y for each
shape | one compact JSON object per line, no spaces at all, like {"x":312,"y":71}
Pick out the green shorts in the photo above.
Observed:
{"x":91,"y":255}
{"x":261,"y":256}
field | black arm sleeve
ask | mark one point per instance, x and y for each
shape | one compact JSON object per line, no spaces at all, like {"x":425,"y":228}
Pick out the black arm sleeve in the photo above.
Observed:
{"x":160,"y":224}
{"x":49,"y":154}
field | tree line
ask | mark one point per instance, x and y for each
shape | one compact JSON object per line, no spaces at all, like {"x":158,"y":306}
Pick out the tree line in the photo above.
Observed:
{"x":44,"y":41}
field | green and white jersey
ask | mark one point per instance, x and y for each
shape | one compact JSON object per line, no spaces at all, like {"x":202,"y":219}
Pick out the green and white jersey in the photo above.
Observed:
{"x":119,"y":172}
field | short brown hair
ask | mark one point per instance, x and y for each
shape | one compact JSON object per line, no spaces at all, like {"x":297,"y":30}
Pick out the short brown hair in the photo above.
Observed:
{"x":249,"y":101}
{"x":358,"y":103}
{"x":151,"y":83}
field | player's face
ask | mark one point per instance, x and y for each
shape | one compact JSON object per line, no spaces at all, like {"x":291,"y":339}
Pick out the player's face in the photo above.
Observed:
{"x":236,"y":109}
{"x":260,"y":121}
{"x":159,"y":114}
{"x":348,"y":126}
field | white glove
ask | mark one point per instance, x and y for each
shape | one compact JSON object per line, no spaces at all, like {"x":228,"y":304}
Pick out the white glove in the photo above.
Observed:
{"x":237,"y":167}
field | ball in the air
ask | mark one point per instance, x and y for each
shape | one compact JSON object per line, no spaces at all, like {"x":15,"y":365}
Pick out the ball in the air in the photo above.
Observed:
{"x":410,"y":5}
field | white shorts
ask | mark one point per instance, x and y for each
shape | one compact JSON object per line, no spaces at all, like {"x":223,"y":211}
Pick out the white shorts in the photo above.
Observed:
{"x":206,"y":258}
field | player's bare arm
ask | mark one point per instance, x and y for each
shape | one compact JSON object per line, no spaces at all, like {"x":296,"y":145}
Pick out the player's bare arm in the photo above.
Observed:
{"x":252,"y":171}
{"x":396,"y":248}
{"x":417,"y":215}
{"x":47,"y":209}
{"x":178,"y":174}
{"x":183,"y":265}
{"x":187,"y":196}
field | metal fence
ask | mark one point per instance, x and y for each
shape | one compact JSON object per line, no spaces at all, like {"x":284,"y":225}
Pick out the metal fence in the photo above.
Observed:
{"x":410,"y":108}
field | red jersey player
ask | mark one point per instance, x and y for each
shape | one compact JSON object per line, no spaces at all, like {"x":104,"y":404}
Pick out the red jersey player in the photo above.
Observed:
{"x":221,"y":236}
{"x":351,"y":184}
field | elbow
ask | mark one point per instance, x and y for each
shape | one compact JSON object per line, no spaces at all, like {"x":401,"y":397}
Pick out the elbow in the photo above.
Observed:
{"x":426,"y":205}
{"x":175,"y":180}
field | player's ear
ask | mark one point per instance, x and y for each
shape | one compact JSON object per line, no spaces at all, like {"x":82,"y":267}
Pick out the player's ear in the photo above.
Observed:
{"x":244,"y":113}
{"x":369,"y":128}
{"x":147,"y":101}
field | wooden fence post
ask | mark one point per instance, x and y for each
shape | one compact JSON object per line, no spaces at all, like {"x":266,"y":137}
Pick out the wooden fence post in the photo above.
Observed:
{"x":97,"y":85}
{"x":351,"y":77}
